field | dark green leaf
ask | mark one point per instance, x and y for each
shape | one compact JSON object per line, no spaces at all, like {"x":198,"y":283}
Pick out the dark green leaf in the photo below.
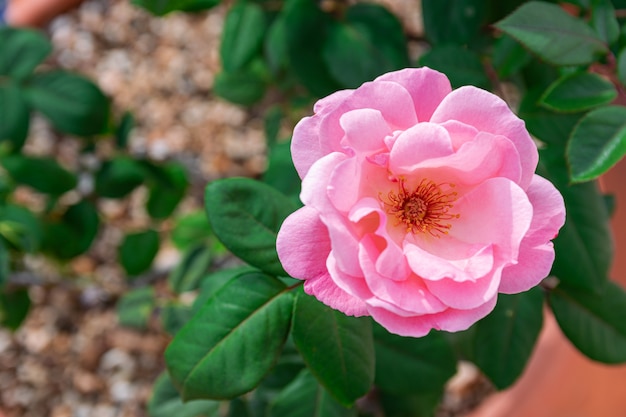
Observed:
{"x":453,"y":21}
{"x":138,"y":250}
{"x":593,"y":321}
{"x":304,"y":397}
{"x":584,"y":246}
{"x":123,"y":130}
{"x":212,"y":283}
{"x":339,"y":350}
{"x":74,"y":232}
{"x":135,"y":308}
{"x":20,"y":227}
{"x":550,"y":32}
{"x":242,"y":36}
{"x":281,"y":173}
{"x":504,"y":340}
{"x":5,"y":269}
{"x":191,"y":229}
{"x":14,"y":307}
{"x":462,"y":66}
{"x":163,"y":7}
{"x":22,"y":51}
{"x":174,"y":316}
{"x":597,"y":143}
{"x":604,"y":22}
{"x":238,"y":408}
{"x":43,"y":174}
{"x":227,"y":348}
{"x":370,"y":42}
{"x":246,"y":216}
{"x":14,"y":117}
{"x":165,"y":196}
{"x":273,"y":118}
{"x":192,"y":268}
{"x":245,"y":86}
{"x":621,"y":66}
{"x":275,"y":45}
{"x":416,"y":405}
{"x":577,"y":92}
{"x":73,"y":104}
{"x":118,"y":177}
{"x":166,"y":402}
{"x":406,"y":365}
{"x":509,"y":56}
{"x":306,"y":29}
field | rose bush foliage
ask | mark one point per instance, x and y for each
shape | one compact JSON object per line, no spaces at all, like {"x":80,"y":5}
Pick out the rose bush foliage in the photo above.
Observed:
{"x":421,"y":204}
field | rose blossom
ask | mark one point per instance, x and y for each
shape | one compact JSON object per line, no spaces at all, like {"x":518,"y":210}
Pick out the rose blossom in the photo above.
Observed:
{"x":420,"y":204}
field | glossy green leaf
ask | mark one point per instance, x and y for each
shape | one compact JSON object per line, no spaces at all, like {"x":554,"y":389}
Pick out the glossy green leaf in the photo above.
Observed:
{"x":165,"y":195}
{"x":577,"y":92}
{"x":406,"y":365}
{"x":422,"y":404}
{"x":14,"y":117}
{"x":509,"y":56}
{"x":174,"y":316}
{"x":193,"y":266}
{"x":621,"y":66}
{"x":135,"y":308}
{"x":124,"y":128}
{"x":461,"y":65}
{"x":77,"y":229}
{"x":214,"y":281}
{"x":339,"y":350}
{"x":304,"y":397}
{"x":117,"y":177}
{"x":14,"y":307}
{"x":281,"y":173}
{"x":191,"y":229}
{"x":227,"y":348}
{"x":242,"y":37}
{"x":597,"y":143}
{"x":246,"y":216}
{"x":584,"y":248}
{"x":20,"y":227}
{"x":604,"y":21}
{"x":550,"y":32}
{"x":593,"y":320}
{"x":5,"y":267}
{"x":43,"y":174}
{"x":306,"y":28}
{"x":245,"y":86}
{"x":163,"y":7}
{"x":505,"y":339}
{"x":73,"y":103}
{"x":369,"y":42}
{"x":166,"y":402}
{"x":453,"y":21}
{"x":138,"y":250}
{"x":22,"y":51}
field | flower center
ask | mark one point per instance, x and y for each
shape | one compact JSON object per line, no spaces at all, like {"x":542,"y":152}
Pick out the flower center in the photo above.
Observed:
{"x":423,"y":210}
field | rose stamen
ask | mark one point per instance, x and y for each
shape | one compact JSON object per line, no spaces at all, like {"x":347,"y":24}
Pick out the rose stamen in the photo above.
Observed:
{"x":423,"y":210}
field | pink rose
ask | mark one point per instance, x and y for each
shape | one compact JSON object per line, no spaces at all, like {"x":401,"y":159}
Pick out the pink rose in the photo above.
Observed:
{"x":420,"y":204}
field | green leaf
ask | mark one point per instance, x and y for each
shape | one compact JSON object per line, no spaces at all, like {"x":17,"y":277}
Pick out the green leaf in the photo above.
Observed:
{"x":174,"y":315}
{"x":191,"y":269}
{"x":242,"y":37}
{"x":14,"y":117}
{"x":166,"y":402}
{"x":339,"y":350}
{"x":164,"y":196}
{"x":416,"y":405}
{"x":227,"y":348}
{"x":43,"y":174}
{"x":369,"y":42}
{"x":138,"y":250}
{"x":245,"y":86}
{"x":577,"y":92}
{"x":214,"y":281}
{"x":504,"y":340}
{"x":304,"y":397}
{"x":621,"y":66}
{"x":22,"y":51}
{"x":191,"y":229}
{"x":453,"y":21}
{"x":281,"y":173}
{"x":604,"y":22}
{"x":163,"y":7}
{"x":406,"y":365}
{"x":275,"y":45}
{"x":76,"y":229}
{"x":593,"y":321}
{"x":118,"y":177}
{"x":550,"y":32}
{"x":73,"y":103}
{"x":20,"y":227}
{"x":597,"y":143}
{"x":14,"y":307}
{"x":135,"y":308}
{"x":462,"y":66}
{"x":509,"y":57}
{"x":273,"y":118}
{"x":246,"y":216}
{"x":5,"y":268}
{"x":306,"y":29}
{"x":584,"y":246}
{"x":123,"y":130}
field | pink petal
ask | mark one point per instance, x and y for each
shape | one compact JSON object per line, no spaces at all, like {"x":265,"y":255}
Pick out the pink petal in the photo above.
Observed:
{"x":426,"y":86}
{"x":488,"y":113}
{"x":459,"y":132}
{"x":533,"y":265}
{"x":305,"y":144}
{"x":365,"y":129}
{"x":325,"y":290}
{"x":548,"y":210}
{"x":467,"y":294}
{"x":419,"y":143}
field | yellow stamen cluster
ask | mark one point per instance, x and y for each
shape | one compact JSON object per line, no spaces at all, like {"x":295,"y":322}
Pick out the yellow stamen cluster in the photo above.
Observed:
{"x":423,"y":210}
